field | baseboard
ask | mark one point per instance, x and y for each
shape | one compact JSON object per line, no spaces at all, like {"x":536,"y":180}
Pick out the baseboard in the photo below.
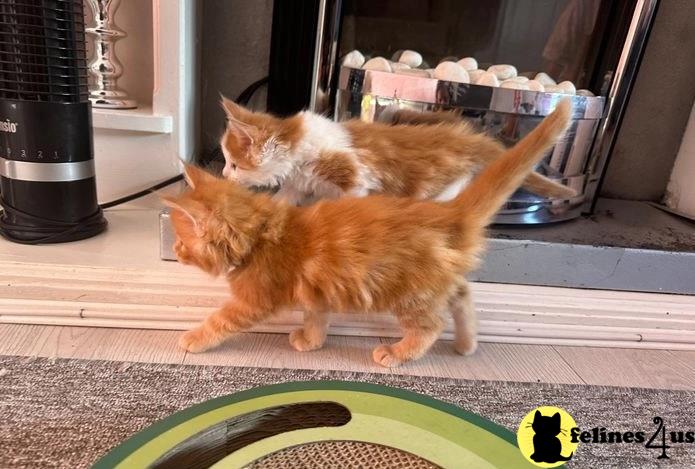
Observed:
{"x":34,"y":293}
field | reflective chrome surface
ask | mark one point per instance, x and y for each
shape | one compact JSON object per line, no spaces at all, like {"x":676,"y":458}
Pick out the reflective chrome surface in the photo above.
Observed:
{"x":620,"y":79}
{"x":462,"y":95}
{"x":505,"y":114}
{"x":104,"y":67}
{"x":46,"y":172}
{"x":166,"y":236}
{"x":325,"y":55}
{"x":617,"y":96}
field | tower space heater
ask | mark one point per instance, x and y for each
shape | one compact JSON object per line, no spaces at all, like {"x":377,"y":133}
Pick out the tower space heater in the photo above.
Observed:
{"x":47,"y":177}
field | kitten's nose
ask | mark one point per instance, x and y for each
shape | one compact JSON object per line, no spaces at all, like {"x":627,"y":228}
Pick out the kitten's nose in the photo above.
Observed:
{"x":226,"y":171}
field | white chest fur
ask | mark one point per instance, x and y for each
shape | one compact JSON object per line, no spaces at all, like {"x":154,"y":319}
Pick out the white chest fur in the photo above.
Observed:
{"x":323,"y":135}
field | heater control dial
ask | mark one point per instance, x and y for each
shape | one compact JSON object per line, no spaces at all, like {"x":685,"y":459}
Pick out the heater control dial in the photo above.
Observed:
{"x":23,"y":154}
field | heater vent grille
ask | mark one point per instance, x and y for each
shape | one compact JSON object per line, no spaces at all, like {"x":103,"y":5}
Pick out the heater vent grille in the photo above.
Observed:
{"x":42,"y":51}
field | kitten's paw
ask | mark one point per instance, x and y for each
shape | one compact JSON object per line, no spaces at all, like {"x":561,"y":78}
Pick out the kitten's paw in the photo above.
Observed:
{"x":300,"y":343}
{"x":195,"y":341}
{"x":466,"y":347}
{"x":384,"y":355}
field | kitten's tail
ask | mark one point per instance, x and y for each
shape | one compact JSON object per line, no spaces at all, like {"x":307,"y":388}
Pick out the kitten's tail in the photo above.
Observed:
{"x":536,"y":183}
{"x":490,"y":190}
{"x":541,"y":185}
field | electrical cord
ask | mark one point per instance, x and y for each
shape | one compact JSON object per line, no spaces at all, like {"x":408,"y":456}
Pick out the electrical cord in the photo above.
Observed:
{"x":142,"y":193}
{"x":246,"y":95}
{"x":28,"y":229}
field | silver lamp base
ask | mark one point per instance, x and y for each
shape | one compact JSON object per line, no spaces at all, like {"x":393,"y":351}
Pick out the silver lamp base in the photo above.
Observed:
{"x":103,"y":102}
{"x":104,"y":67}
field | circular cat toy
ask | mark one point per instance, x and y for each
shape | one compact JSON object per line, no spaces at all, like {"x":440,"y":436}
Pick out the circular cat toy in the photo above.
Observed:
{"x":320,"y":424}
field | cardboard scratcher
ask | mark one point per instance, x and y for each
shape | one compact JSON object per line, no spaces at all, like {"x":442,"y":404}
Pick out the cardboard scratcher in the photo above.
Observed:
{"x":320,"y":424}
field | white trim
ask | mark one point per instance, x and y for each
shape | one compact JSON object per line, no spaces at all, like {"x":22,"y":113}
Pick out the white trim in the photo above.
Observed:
{"x":680,"y":193}
{"x":33,"y":293}
{"x":141,"y":119}
{"x":175,"y":69}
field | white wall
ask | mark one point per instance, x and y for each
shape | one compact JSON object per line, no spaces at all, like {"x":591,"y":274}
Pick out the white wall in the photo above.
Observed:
{"x":135,"y":50}
{"x":135,"y":149}
{"x":680,"y":194}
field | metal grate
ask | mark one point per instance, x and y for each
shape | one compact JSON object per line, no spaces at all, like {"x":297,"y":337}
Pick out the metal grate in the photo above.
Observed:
{"x":42,"y":51}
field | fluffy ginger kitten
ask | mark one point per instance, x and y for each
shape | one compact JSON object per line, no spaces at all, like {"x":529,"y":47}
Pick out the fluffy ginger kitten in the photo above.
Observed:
{"x":363,"y":255}
{"x":310,"y":157}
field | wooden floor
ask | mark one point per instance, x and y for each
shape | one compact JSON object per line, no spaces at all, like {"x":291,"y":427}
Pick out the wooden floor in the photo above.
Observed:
{"x":507,"y":362}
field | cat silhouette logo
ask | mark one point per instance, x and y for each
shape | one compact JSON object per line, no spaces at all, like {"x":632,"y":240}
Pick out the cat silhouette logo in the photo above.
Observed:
{"x":544,"y":436}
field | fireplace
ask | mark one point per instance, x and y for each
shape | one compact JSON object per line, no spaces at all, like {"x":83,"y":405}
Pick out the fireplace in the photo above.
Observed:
{"x":594,"y":44}
{"x":619,"y":240}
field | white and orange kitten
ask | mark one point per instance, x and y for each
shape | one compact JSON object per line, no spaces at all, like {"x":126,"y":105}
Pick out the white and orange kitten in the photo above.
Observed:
{"x":310,"y":157}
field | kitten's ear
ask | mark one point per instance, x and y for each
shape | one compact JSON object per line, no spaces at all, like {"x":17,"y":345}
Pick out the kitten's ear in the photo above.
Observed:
{"x":537,"y":415}
{"x":242,"y":134}
{"x":234,"y":111}
{"x":237,"y":123}
{"x":196,"y":177}
{"x":557,"y":417}
{"x":194,"y":211}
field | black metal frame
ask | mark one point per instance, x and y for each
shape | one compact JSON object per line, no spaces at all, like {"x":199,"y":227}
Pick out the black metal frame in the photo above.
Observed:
{"x":292,"y":47}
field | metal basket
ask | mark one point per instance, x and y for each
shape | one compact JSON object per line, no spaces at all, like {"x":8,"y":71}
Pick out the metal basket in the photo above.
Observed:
{"x":505,"y":114}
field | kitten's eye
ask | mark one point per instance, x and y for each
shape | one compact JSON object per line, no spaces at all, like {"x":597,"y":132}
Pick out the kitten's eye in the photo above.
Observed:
{"x":233,"y":166}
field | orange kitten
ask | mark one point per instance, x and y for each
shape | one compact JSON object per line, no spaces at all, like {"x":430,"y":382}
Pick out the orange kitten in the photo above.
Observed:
{"x":407,"y":116}
{"x":311,"y":157}
{"x":366,"y":255}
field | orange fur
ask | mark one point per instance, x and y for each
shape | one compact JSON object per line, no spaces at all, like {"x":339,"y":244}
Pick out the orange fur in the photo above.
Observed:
{"x":407,"y":116}
{"x":420,"y":161}
{"x":371,"y":254}
{"x":534,"y":182}
{"x":336,"y":167}
{"x":418,"y":156}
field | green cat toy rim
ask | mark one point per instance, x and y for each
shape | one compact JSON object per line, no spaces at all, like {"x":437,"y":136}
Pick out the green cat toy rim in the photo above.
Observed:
{"x":418,"y":423}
